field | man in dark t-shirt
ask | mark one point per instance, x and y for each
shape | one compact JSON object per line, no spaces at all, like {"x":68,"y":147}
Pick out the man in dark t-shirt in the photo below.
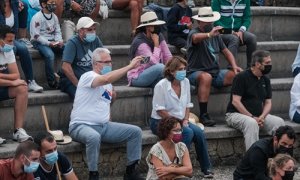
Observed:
{"x":77,"y":55}
{"x":253,"y":165}
{"x":250,"y":100}
{"x":50,"y":156}
{"x":203,"y":47}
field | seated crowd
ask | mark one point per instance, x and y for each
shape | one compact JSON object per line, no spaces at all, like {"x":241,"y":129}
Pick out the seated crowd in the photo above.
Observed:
{"x":86,"y":75}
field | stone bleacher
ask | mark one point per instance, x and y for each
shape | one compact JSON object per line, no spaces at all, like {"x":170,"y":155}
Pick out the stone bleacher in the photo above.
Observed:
{"x":277,"y":29}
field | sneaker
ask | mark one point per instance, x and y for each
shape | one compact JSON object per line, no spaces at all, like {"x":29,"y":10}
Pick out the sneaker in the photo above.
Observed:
{"x":26,"y":42}
{"x":21,"y":135}
{"x":94,"y":175}
{"x":206,"y":121}
{"x":2,"y":140}
{"x":208,"y":174}
{"x":34,"y":87}
{"x":133,"y":176}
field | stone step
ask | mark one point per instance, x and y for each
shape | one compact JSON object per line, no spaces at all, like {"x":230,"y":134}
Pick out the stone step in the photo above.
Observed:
{"x":225,"y":147}
{"x":283,"y":55}
{"x":132,"y":106}
{"x":268,"y":23}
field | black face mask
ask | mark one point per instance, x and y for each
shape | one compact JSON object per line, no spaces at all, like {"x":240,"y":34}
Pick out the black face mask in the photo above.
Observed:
{"x":207,"y":28}
{"x":51,"y":7}
{"x":288,"y":175}
{"x":267,"y":69}
{"x":156,"y":30}
{"x":284,"y":150}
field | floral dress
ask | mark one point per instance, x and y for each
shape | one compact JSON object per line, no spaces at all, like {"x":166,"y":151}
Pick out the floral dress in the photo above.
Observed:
{"x":158,"y":151}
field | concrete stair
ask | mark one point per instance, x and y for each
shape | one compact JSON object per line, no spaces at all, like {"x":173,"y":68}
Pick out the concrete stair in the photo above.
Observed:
{"x":133,"y":106}
{"x":277,"y":30}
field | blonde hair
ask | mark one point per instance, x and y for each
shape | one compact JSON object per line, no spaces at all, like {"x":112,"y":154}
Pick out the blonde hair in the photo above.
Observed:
{"x":278,"y":162}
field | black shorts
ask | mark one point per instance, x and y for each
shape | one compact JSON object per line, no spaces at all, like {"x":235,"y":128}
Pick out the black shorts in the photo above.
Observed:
{"x":4,"y":93}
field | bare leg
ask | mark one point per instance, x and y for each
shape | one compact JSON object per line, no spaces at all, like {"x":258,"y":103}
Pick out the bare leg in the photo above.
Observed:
{"x":228,"y":78}
{"x":135,"y":8}
{"x":59,"y":9}
{"x":20,"y":93}
{"x":204,"y":85}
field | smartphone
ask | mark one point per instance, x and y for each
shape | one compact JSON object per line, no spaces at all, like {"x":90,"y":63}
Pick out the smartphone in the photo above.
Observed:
{"x":225,"y":31}
{"x":145,"y":59}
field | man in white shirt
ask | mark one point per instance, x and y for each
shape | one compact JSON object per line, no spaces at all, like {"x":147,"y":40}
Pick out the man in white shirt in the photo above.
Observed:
{"x":11,"y":86}
{"x":90,"y":118}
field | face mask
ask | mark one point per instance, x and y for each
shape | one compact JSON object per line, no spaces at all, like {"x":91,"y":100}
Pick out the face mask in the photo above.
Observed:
{"x":284,"y":150}
{"x":208,"y":28}
{"x":51,"y":158}
{"x":6,"y":48}
{"x":51,"y":7}
{"x":33,"y":166}
{"x":267,"y":69}
{"x":156,"y":30}
{"x":180,"y":75}
{"x":90,"y":37}
{"x":177,"y":137}
{"x":288,"y":175}
{"x":106,"y":69}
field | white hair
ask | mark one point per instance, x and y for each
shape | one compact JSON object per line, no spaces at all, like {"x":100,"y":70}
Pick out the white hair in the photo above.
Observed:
{"x":96,"y":54}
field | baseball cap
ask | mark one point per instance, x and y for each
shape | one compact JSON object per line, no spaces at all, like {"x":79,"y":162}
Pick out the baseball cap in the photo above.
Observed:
{"x":85,"y":22}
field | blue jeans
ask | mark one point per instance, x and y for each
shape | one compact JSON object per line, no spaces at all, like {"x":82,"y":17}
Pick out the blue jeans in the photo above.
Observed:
{"x":67,"y":86}
{"x":296,"y":117}
{"x":49,"y":54}
{"x":25,"y":59}
{"x":149,"y":77}
{"x":110,"y":132}
{"x":296,"y":71}
{"x":191,"y":133}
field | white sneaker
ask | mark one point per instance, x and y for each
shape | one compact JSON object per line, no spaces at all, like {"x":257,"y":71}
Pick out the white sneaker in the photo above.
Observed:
{"x":2,"y":140}
{"x":26,"y":42}
{"x":21,"y":135}
{"x":33,"y":86}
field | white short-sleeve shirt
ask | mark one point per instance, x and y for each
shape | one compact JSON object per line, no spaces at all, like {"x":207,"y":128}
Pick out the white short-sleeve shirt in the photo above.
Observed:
{"x":165,"y":98}
{"x":91,"y":105}
{"x":5,"y":59}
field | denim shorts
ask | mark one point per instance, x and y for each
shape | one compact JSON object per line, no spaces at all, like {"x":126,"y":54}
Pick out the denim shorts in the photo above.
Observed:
{"x":4,"y":93}
{"x":217,"y":80}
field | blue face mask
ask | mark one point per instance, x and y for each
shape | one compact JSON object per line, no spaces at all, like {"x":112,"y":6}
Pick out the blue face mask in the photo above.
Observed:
{"x":6,"y":48}
{"x":51,"y":158}
{"x":33,"y":166}
{"x":106,"y":69}
{"x":90,"y":37}
{"x":180,"y":75}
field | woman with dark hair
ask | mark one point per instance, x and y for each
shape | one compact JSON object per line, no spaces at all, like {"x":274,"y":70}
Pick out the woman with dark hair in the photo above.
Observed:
{"x":169,"y":158}
{"x":150,"y":44}
{"x":172,"y":97}
{"x":14,"y":14}
{"x":281,"y":167}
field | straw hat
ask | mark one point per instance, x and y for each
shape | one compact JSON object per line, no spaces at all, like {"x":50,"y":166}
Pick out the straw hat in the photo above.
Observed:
{"x":205,"y":14}
{"x":150,"y":18}
{"x":60,"y":138}
{"x":195,"y":120}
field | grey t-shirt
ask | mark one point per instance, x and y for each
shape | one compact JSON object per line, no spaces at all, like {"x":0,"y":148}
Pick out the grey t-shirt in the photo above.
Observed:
{"x":79,"y":54}
{"x":204,"y":56}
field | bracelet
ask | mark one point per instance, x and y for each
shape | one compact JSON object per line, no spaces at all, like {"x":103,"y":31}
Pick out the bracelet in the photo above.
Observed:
{"x":208,"y":35}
